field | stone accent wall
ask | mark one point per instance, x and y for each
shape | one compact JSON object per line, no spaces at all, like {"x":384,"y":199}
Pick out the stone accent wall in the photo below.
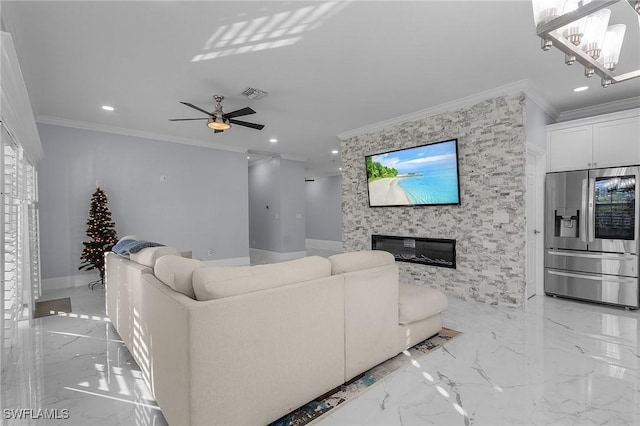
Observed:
{"x":489,"y":224}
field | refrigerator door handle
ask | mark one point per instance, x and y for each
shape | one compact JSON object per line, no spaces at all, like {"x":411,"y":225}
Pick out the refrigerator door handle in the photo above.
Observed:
{"x":583,"y":212}
{"x":607,"y":278}
{"x":591,"y":210}
{"x":605,"y":256}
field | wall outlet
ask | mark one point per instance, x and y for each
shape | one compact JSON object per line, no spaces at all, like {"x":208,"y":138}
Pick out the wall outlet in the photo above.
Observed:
{"x":210,"y":252}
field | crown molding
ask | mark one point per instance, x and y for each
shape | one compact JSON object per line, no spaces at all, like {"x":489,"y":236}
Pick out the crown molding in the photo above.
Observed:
{"x":533,"y":93}
{"x":292,"y":157}
{"x":269,"y":156}
{"x":44,"y":119}
{"x":519,"y":86}
{"x":606,"y":108}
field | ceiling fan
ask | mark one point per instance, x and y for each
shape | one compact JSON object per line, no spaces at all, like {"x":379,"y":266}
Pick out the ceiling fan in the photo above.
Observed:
{"x":218,"y":120}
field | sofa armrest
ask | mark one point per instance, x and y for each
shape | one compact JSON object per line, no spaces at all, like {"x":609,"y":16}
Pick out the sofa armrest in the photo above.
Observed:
{"x":122,"y":282}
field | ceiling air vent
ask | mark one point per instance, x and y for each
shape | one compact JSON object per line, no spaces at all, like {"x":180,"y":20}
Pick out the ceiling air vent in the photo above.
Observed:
{"x":255,"y":94}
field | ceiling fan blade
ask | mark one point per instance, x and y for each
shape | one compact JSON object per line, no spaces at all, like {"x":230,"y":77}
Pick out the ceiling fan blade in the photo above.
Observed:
{"x":195,"y":107}
{"x":188,"y":119}
{"x":247,"y":124}
{"x":239,"y":112}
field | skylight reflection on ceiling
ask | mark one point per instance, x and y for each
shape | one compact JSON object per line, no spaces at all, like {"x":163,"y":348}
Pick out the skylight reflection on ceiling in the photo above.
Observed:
{"x":266,"y":32}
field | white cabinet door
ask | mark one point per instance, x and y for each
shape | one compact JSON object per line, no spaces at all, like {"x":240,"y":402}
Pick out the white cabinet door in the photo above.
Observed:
{"x":616,"y":143}
{"x":570,"y":149}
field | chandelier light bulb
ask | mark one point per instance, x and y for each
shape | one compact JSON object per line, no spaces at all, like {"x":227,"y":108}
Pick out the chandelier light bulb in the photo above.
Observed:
{"x":595,"y":29}
{"x":546,"y":10}
{"x":574,"y":30}
{"x":612,"y":45}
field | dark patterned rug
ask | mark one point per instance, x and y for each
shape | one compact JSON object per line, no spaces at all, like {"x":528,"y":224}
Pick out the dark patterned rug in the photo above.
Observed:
{"x":314,"y":409}
{"x":52,"y":307}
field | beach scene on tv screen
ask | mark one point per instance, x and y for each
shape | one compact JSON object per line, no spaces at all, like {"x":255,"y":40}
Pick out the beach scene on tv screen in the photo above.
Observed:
{"x":422,"y":175}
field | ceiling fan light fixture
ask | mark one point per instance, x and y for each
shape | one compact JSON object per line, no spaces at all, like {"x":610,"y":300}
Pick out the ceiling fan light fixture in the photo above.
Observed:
{"x":218,"y":124}
{"x":217,"y":120}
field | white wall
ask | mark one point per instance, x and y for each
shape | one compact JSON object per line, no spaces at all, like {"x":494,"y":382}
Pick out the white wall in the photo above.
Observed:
{"x":535,"y":121}
{"x":202,"y":205}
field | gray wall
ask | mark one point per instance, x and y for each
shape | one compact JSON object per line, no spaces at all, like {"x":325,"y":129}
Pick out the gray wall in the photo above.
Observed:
{"x":324,"y":208}
{"x":278,"y":184}
{"x":292,"y":202}
{"x":202,"y":204}
{"x":264,"y":205}
{"x":489,"y":224}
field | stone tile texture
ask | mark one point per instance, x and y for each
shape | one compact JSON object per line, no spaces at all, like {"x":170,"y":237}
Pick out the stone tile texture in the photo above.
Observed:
{"x":489,"y":223}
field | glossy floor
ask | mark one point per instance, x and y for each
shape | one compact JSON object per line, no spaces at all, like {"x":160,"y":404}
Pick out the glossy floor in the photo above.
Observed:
{"x":554,"y":362}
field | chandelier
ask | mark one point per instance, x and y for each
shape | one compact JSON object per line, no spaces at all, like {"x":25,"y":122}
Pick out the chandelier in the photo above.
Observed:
{"x":580,"y":29}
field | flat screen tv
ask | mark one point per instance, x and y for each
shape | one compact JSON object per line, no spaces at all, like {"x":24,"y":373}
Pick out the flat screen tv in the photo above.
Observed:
{"x":424,"y":175}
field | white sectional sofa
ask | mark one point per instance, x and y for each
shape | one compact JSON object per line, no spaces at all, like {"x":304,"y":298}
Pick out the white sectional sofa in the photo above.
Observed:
{"x":247,"y":345}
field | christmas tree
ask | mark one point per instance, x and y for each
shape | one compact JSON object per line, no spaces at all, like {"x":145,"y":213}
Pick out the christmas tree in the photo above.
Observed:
{"x":101,"y":231}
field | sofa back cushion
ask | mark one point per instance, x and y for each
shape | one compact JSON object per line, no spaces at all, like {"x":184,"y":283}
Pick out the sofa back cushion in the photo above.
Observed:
{"x":149,"y":255}
{"x":218,"y":282}
{"x":177,"y":272}
{"x":359,"y":260}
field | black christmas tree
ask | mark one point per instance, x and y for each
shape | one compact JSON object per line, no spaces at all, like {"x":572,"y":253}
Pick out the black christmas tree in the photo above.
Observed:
{"x":101,"y":231}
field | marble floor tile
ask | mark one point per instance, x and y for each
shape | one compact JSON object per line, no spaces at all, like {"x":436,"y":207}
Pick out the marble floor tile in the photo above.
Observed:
{"x":76,"y":367}
{"x":554,"y":362}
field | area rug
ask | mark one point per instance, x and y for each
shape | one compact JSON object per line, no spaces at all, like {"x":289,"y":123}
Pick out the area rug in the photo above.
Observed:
{"x":314,"y":409}
{"x":52,"y":307}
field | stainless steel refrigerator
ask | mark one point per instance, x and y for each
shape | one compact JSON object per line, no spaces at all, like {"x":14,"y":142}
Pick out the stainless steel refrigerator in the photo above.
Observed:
{"x":591,"y":235}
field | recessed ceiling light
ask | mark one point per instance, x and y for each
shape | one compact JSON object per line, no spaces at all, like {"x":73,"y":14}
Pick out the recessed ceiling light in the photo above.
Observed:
{"x":107,"y":108}
{"x":273,"y":140}
{"x":340,"y":168}
{"x":334,"y":151}
{"x":248,"y":157}
{"x":580,"y":89}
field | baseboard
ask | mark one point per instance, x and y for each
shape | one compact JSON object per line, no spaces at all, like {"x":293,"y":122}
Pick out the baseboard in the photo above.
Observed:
{"x":259,"y":256}
{"x":70,"y":281}
{"x":235,"y":261}
{"x":323,"y":244}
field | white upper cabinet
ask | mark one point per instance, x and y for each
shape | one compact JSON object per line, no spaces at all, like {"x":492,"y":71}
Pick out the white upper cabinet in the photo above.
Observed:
{"x":617,"y":142}
{"x":609,"y":140}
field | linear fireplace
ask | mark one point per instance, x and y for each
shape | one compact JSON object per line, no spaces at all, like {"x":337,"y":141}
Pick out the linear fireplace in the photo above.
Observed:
{"x":427,"y":251}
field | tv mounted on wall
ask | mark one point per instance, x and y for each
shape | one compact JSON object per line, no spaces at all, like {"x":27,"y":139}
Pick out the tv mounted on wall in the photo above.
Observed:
{"x":424,"y":175}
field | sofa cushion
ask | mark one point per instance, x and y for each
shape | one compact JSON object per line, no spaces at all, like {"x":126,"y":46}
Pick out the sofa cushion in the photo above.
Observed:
{"x":177,"y":272}
{"x":416,"y":302}
{"x":218,"y":282}
{"x":149,"y":255}
{"x":359,"y":260}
